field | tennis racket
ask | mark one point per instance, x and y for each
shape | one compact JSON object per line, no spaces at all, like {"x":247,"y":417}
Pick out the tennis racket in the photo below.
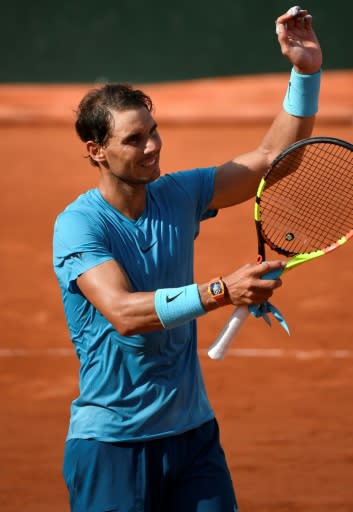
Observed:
{"x":303,"y":210}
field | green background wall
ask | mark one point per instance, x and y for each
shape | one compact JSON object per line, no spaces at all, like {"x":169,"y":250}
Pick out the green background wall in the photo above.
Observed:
{"x":140,"y":42}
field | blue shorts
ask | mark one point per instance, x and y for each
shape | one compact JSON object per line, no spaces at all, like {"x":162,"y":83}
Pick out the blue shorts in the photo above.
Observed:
{"x":185,"y":473}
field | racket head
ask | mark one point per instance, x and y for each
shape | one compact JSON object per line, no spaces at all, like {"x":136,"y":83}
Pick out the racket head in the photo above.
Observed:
{"x":304,"y":203}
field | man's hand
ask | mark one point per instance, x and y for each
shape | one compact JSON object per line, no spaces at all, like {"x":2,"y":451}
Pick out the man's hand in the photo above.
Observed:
{"x":298,"y":40}
{"x":245,"y":286}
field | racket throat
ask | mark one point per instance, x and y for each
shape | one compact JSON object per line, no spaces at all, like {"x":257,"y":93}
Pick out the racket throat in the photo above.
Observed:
{"x":260,"y":244}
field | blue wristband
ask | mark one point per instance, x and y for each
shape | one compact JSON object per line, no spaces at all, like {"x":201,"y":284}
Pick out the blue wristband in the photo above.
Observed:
{"x":302,"y":96}
{"x":176,"y":306}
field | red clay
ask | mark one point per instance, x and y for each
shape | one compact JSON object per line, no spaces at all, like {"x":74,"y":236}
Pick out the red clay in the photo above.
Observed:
{"x":285,"y":415}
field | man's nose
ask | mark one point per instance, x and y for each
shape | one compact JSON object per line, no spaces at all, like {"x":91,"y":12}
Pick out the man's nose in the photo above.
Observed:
{"x":153,"y":144}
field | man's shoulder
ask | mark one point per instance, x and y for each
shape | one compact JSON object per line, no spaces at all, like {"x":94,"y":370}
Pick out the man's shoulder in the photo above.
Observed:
{"x":84,"y":204}
{"x":82,"y":210}
{"x":184,"y":176}
{"x":81,"y":202}
{"x":181,"y":174}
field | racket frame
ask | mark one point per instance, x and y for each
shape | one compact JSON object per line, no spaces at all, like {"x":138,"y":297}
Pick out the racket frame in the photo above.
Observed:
{"x":300,"y":258}
{"x":220,"y":346}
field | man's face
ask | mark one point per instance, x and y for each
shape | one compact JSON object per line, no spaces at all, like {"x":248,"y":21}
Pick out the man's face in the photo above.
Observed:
{"x":132,"y":152}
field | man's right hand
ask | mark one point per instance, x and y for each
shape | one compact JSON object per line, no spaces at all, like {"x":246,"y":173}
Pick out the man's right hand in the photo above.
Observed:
{"x":245,"y":286}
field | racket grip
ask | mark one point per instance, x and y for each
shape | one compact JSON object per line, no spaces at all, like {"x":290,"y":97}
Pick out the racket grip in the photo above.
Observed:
{"x":219,"y":348}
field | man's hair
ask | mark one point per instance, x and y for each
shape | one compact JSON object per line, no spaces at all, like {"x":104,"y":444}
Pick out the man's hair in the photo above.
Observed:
{"x":94,"y":113}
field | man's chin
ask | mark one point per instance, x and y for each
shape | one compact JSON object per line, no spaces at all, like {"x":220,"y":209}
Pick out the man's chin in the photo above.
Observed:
{"x":155,"y":175}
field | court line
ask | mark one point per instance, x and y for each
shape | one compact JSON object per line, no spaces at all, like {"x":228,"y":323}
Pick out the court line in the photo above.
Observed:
{"x":274,"y":353}
{"x":36,"y":352}
{"x":287,"y":353}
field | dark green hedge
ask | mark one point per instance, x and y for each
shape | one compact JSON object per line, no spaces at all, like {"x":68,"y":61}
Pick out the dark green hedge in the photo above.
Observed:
{"x":139,"y":41}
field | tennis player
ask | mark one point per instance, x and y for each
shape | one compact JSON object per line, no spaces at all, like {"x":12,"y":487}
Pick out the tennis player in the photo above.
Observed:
{"x":143,"y":436}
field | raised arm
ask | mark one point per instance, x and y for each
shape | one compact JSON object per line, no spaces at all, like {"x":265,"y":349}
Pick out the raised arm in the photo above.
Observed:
{"x":108,"y":288}
{"x":237,"y":180}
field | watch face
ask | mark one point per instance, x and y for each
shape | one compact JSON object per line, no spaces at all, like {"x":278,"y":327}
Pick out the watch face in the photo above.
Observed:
{"x":216,"y":288}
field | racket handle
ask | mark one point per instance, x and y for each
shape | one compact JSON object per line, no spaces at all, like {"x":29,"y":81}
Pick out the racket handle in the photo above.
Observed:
{"x":219,"y":348}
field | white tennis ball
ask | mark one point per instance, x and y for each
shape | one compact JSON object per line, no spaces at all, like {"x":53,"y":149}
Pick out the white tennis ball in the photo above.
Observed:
{"x":294,"y":11}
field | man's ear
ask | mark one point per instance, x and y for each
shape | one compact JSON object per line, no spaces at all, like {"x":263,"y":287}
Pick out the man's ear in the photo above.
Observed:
{"x":95,"y":151}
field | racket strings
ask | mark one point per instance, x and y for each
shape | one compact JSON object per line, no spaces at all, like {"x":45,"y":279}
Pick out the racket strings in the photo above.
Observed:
{"x":307,"y":203}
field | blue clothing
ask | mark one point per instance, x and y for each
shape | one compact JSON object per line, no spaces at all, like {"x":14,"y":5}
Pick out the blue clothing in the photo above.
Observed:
{"x":184,"y":473}
{"x":149,"y":385}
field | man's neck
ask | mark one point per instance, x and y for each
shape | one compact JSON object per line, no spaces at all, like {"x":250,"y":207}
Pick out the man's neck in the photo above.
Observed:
{"x":128,"y":198}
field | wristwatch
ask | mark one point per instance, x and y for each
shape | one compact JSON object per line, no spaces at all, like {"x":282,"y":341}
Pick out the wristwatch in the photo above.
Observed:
{"x":216,"y":289}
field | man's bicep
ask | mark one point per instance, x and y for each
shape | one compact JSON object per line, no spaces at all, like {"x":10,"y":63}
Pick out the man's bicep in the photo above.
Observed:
{"x":237,"y":180}
{"x":107,"y":287}
{"x":104,"y":285}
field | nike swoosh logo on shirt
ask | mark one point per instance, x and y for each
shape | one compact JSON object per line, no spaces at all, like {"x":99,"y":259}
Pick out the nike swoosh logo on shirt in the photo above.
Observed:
{"x":170,"y":299}
{"x":146,"y":249}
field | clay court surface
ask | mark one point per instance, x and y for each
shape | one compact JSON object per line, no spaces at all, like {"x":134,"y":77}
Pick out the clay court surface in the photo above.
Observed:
{"x":284,"y":403}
